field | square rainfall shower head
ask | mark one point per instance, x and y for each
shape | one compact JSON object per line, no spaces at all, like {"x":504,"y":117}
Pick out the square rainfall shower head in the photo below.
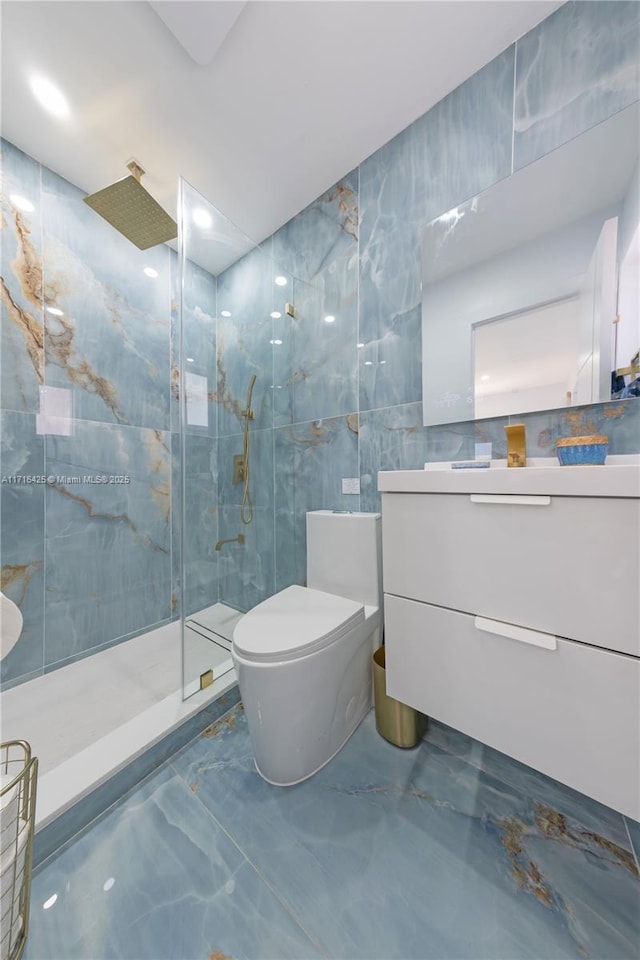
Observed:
{"x":131,"y":209}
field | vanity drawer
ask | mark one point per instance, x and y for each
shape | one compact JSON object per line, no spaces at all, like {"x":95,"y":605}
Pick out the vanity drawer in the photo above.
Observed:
{"x":564,"y":565}
{"x":570,"y":712}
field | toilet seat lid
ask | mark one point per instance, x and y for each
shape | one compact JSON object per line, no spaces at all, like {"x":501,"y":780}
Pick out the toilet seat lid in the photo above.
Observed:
{"x":297,"y":621}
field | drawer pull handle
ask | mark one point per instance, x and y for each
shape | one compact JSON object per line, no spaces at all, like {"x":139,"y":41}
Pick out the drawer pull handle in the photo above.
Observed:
{"x":510,"y":498}
{"x":535,"y":637}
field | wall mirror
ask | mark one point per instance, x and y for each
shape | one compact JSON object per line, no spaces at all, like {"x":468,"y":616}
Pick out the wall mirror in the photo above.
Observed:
{"x":530,"y":289}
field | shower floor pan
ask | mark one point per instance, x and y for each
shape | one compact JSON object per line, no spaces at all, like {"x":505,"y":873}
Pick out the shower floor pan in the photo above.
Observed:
{"x":89,"y":719}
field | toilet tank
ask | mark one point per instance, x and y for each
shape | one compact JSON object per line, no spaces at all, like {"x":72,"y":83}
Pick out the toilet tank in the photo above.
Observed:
{"x":344,"y":555}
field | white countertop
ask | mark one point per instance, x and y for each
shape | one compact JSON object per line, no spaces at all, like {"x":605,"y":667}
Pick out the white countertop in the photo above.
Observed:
{"x":620,"y":478}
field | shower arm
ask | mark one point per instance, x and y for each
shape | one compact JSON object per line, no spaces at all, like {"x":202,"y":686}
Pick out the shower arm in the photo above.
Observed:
{"x":239,"y":539}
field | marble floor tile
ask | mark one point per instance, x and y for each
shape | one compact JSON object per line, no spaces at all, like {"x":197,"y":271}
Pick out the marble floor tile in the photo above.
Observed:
{"x":437,"y":852}
{"x":389,"y":853}
{"x":158,"y":878}
{"x":593,"y":816}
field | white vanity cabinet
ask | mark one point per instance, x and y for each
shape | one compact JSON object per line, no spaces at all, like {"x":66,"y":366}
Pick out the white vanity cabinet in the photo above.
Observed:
{"x":512,"y":612}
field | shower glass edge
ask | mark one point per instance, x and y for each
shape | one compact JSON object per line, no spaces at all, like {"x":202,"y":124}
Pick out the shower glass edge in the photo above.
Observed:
{"x":208,"y":245}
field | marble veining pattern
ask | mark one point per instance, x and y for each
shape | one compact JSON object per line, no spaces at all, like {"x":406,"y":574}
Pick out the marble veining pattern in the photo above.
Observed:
{"x":576,"y":68}
{"x":319,"y":249}
{"x":550,"y":794}
{"x":618,"y":420}
{"x":108,"y":564}
{"x":73,"y":821}
{"x":22,"y":337}
{"x":384,"y":853}
{"x":310,"y":461}
{"x":159,"y":878}
{"x":422,"y":828}
{"x":323,"y":234}
{"x":245,"y":292}
{"x":107,"y":344}
{"x":395,"y":439}
{"x":110,"y":345}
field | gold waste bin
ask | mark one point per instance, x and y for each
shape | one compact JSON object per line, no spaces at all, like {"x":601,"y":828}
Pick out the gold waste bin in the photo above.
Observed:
{"x":396,"y":722}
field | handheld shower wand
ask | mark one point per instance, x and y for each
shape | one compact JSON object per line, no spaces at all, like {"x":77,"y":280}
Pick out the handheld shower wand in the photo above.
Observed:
{"x":246,"y":507}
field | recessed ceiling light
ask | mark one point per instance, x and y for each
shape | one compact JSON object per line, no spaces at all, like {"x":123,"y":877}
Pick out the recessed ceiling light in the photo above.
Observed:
{"x":359,"y":345}
{"x":50,"y":902}
{"x":383,"y":361}
{"x":281,"y":281}
{"x":51,"y":98}
{"x":368,"y":363}
{"x":190,"y":360}
{"x":275,"y":314}
{"x":55,"y":312}
{"x":329,"y":319}
{"x":202,"y":218}
{"x":485,"y":376}
{"x":150,"y":272}
{"x":21,"y":203}
{"x":276,"y":343}
{"x":225,"y":313}
{"x":107,"y":885}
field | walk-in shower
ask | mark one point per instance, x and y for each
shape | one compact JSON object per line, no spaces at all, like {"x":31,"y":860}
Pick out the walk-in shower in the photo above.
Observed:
{"x":163,"y":367}
{"x":92,"y":444}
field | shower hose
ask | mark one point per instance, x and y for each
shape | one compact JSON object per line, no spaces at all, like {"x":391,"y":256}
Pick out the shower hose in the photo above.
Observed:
{"x":246,"y":507}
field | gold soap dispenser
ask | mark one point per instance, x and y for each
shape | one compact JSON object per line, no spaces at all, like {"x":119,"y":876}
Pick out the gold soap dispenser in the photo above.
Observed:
{"x":516,"y":445}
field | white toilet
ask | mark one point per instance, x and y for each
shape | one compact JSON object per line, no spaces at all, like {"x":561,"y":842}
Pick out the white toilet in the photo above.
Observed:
{"x":303,"y":657}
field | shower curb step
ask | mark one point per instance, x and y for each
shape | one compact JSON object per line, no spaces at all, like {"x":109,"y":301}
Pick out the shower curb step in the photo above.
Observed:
{"x":57,"y":832}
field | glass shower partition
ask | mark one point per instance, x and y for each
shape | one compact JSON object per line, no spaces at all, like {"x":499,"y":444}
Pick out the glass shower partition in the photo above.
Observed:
{"x":229,"y":362}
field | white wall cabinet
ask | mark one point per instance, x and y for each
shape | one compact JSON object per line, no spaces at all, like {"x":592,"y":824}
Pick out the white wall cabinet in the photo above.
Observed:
{"x":515,"y":620}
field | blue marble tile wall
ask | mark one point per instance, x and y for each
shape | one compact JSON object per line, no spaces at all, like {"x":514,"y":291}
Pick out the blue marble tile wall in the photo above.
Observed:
{"x":338,"y":390}
{"x":347,"y":390}
{"x":88,"y":390}
{"x":304,"y":434}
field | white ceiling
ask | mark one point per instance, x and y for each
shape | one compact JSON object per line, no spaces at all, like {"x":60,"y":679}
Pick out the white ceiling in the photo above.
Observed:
{"x":272,"y":104}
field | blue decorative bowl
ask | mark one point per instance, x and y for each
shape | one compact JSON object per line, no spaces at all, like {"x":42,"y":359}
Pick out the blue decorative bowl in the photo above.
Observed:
{"x":576,"y":451}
